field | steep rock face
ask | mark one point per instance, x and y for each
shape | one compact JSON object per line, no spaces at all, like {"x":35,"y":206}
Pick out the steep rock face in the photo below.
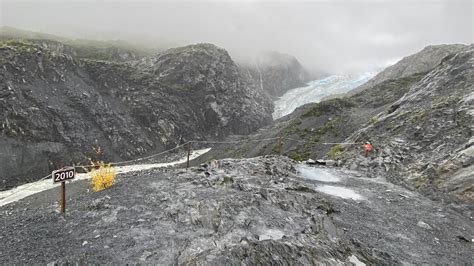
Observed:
{"x":55,"y":108}
{"x":276,"y":73}
{"x":215,"y":86}
{"x":421,"y":62}
{"x":425,"y":139}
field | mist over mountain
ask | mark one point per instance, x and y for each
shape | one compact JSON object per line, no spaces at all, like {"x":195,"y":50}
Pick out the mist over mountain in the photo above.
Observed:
{"x":337,"y":38}
{"x":276,"y":73}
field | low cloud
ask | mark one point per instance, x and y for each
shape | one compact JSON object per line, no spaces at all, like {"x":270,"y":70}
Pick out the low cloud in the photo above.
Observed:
{"x":334,"y":36}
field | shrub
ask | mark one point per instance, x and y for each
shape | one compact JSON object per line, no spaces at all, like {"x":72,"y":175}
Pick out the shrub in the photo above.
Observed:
{"x":335,"y":151}
{"x":299,"y":155}
{"x":330,"y":106}
{"x":374,"y":120}
{"x":278,"y":148}
{"x":103,"y":177}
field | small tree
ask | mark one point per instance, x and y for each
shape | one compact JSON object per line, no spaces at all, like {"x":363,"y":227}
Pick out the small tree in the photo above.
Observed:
{"x":103,"y":176}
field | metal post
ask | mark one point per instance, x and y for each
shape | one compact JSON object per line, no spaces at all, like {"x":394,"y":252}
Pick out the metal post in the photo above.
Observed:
{"x":189,"y":153}
{"x":63,"y":197}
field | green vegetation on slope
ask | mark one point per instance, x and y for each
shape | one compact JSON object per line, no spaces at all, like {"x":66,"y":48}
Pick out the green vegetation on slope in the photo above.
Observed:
{"x":329,"y":106}
{"x":112,"y":50}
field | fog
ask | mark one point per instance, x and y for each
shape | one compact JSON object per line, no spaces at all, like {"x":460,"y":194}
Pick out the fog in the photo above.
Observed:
{"x":334,"y":36}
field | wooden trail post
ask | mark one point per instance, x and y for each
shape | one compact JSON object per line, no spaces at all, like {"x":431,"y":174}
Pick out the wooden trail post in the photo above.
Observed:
{"x":189,"y":153}
{"x":62,"y":175}
{"x":63,"y":197}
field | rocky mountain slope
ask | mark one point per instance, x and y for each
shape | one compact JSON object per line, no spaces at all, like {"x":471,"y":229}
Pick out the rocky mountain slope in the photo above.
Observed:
{"x":425,"y":138}
{"x":56,"y":107}
{"x":117,"y":50}
{"x":423,"y":61}
{"x":276,"y":73}
{"x":432,"y":135}
{"x":252,"y":211}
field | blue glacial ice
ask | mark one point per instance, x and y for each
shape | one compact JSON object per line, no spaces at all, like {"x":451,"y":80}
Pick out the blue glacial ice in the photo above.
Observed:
{"x":317,"y":90}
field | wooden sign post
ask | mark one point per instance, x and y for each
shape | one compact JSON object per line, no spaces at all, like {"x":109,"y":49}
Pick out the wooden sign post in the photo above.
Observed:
{"x":62,"y":175}
{"x":63,"y":197}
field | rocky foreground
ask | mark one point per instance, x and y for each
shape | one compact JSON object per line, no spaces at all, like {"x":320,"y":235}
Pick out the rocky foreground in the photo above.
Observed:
{"x":268,"y":210}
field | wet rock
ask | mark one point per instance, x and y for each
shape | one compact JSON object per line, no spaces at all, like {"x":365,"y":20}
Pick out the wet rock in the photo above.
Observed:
{"x":100,"y":203}
{"x":462,"y":238}
{"x":331,"y":163}
{"x":424,"y":225}
{"x":146,"y":254}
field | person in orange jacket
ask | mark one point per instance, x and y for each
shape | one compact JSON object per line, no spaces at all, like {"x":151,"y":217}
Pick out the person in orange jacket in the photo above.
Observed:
{"x":368,"y":148}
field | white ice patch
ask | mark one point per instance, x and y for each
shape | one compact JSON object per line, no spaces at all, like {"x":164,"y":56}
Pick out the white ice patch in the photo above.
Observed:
{"x":317,"y":90}
{"x":29,"y":189}
{"x":356,"y":261}
{"x":273,"y":234}
{"x":317,"y":174}
{"x":141,"y":167}
{"x":341,"y":192}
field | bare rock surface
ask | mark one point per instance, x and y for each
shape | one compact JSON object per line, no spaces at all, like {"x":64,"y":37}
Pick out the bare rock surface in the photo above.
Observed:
{"x":420,"y":62}
{"x":424,"y":140}
{"x":264,"y":210}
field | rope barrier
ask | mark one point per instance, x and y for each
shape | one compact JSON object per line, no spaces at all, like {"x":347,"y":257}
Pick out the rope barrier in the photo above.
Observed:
{"x":342,"y":143}
{"x":151,"y":156}
{"x":81,"y":166}
{"x":134,"y":160}
{"x":231,"y":142}
{"x":14,"y":193}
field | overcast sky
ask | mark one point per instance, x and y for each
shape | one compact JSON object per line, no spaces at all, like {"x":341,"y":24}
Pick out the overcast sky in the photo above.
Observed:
{"x":335,"y":36}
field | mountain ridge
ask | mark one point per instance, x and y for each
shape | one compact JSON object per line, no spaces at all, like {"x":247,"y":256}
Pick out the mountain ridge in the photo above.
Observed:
{"x":123,"y":107}
{"x":276,"y":73}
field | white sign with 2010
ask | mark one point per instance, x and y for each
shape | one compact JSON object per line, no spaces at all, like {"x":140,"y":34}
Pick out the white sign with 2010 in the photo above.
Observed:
{"x":64,"y":174}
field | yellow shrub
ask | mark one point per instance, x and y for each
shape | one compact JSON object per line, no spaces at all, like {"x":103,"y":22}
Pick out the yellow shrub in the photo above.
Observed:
{"x":103,"y":177}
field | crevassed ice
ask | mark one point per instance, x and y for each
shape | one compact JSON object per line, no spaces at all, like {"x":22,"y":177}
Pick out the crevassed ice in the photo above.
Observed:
{"x":318,"y":89}
{"x":356,"y":261}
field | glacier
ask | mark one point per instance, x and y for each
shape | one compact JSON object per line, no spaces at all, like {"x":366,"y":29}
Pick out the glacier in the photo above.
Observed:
{"x":316,"y":90}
